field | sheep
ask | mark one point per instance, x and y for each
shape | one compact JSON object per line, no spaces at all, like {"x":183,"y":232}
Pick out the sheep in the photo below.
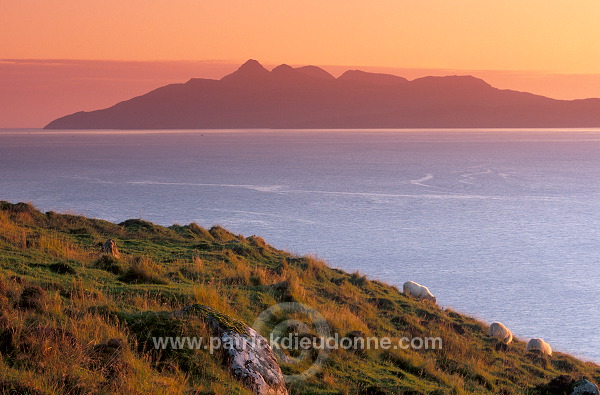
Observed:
{"x":539,"y":345}
{"x":418,"y":291}
{"x":501,"y":332}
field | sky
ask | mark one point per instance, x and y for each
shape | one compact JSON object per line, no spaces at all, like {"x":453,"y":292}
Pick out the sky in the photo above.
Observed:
{"x":547,"y":47}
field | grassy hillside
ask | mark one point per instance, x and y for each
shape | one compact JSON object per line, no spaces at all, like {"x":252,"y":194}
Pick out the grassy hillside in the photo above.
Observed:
{"x":67,"y":315}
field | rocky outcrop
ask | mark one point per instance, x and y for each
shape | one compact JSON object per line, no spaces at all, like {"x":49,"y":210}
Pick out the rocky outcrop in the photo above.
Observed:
{"x":110,"y":248}
{"x":244,"y":352}
{"x":584,"y":387}
{"x":249,"y":356}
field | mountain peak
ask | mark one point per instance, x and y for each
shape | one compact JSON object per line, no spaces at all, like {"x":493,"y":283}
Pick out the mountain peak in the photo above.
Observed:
{"x":315,"y":71}
{"x":251,"y":64}
{"x":250,"y":69}
{"x":282,"y":68}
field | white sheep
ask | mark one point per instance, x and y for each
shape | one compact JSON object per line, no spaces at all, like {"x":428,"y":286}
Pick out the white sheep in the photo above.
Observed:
{"x":501,"y":332}
{"x":418,"y":291}
{"x":539,"y":345}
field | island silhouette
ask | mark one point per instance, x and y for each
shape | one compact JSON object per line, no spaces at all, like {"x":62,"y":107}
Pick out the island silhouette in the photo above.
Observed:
{"x":309,"y":97}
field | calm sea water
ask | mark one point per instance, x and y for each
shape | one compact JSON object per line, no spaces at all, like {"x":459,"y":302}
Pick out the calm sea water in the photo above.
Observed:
{"x":500,"y":224}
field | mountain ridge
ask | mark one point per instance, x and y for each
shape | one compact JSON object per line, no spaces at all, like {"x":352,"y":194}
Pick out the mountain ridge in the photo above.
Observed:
{"x":310,"y":97}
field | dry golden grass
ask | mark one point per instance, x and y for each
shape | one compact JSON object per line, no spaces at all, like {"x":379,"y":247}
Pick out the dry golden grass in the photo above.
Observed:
{"x":233,"y":270}
{"x":213,"y":296}
{"x":57,"y":350}
{"x":315,"y":266}
{"x":11,"y":232}
{"x":193,"y":270}
{"x":197,"y":262}
{"x":58,"y":247}
{"x":295,"y":288}
{"x":260,"y":276}
{"x":143,"y":270}
{"x":343,"y":319}
{"x":349,"y":292}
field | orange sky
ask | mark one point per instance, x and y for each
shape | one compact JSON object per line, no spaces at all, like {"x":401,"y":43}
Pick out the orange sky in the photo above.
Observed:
{"x":545,"y":35}
{"x":548,"y":47}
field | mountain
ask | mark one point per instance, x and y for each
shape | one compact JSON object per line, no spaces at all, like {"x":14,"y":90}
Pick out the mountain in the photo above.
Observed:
{"x":309,"y":97}
{"x":79,"y":317}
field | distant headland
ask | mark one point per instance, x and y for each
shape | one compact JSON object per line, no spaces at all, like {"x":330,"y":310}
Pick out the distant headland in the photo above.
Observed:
{"x":310,"y":97}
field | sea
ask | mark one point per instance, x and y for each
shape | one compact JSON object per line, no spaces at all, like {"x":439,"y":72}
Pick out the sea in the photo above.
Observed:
{"x":500,"y":224}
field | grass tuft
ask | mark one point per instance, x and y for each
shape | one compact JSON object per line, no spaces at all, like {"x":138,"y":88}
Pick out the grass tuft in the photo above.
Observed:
{"x":110,"y":264}
{"x":143,"y":271}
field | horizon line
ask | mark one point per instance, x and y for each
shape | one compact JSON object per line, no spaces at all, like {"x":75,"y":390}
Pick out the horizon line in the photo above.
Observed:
{"x":275,"y":64}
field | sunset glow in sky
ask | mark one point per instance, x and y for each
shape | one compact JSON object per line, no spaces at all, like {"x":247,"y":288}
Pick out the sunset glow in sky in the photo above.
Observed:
{"x":534,"y":37}
{"x":545,"y":35}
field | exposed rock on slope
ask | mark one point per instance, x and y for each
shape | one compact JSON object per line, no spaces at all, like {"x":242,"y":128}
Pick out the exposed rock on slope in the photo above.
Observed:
{"x":246,"y":353}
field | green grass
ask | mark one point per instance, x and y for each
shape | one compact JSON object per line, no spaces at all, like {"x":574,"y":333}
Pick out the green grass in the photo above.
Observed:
{"x":63,"y":304}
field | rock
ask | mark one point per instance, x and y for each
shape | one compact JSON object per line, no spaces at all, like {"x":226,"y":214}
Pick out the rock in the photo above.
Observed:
{"x":253,"y":361}
{"x":584,"y":387}
{"x":248,"y":354}
{"x":110,"y":248}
